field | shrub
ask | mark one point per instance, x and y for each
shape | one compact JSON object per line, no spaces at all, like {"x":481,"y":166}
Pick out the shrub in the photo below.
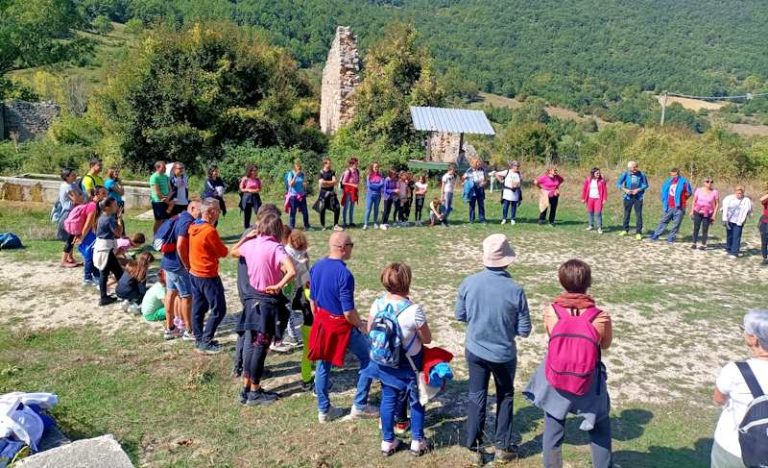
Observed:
{"x":102,"y":25}
{"x":273,"y":163}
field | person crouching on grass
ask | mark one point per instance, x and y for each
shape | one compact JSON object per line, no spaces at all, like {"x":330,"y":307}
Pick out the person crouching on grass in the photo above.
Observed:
{"x":132,"y":286}
{"x":108,"y":228}
{"x":269,"y":270}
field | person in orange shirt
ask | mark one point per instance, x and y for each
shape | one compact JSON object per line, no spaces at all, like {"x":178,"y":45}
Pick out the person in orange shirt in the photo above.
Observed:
{"x":205,"y":250}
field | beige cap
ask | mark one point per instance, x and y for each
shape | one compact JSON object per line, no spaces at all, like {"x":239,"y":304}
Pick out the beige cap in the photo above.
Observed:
{"x":497,"y":253}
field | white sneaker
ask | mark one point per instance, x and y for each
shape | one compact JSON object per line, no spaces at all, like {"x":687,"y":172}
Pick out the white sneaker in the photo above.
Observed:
{"x":365,"y":226}
{"x":280,"y":348}
{"x":383,"y":227}
{"x":599,"y":230}
{"x":589,"y":228}
{"x":125,"y":305}
{"x":512,"y":222}
{"x":503,"y":221}
{"x":375,"y":226}
{"x":332,"y":414}
{"x":337,"y":228}
{"x":369,"y":412}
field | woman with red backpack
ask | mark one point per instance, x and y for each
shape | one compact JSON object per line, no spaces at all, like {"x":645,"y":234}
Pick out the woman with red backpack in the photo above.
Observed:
{"x":572,"y":379}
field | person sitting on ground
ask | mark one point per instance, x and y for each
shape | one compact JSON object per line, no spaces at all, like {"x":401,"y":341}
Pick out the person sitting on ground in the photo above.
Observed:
{"x":496,"y":312}
{"x":124,"y":244}
{"x":269,"y":270}
{"x":734,"y":394}
{"x":414,"y":332}
{"x":594,"y":405}
{"x":108,"y":229}
{"x":594,"y":194}
{"x":152,"y":305}
{"x":132,"y":286}
{"x":205,"y":250}
{"x":737,"y":208}
{"x":70,"y":195}
{"x":549,"y":195}
{"x":337,"y":328}
{"x":437,"y":213}
{"x":674,"y":195}
{"x":633,"y":183}
{"x":706,"y":201}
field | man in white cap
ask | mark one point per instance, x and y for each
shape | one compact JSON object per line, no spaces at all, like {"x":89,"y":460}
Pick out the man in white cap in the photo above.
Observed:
{"x":496,"y":311}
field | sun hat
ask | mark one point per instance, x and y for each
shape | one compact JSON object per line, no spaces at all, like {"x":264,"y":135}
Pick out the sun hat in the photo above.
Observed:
{"x":497,"y":253}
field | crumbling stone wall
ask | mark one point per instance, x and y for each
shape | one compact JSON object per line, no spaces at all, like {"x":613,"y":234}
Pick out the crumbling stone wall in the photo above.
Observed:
{"x":341,"y":76}
{"x":26,"y":120}
{"x":444,"y":147}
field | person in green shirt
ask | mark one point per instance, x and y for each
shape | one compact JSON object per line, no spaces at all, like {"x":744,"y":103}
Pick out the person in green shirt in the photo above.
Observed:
{"x":92,"y":179}
{"x":159,"y":193}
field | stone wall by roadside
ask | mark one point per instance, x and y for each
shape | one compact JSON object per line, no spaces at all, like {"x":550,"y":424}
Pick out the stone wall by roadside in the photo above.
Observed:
{"x":341,"y":76}
{"x":26,"y":120}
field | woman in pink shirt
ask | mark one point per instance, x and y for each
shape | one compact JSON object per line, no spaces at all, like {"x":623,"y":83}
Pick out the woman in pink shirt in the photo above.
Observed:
{"x":265,"y":314}
{"x":549,"y":184}
{"x":250,"y":187}
{"x":594,"y":194}
{"x":706,"y":201}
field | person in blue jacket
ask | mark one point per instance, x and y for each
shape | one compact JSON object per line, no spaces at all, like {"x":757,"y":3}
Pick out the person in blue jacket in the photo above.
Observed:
{"x":633,"y":183}
{"x":674,"y":195}
{"x":374,"y":185}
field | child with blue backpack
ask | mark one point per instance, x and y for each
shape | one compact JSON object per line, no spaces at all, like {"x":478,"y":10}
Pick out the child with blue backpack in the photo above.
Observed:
{"x":398,"y":329}
{"x":573,"y":379}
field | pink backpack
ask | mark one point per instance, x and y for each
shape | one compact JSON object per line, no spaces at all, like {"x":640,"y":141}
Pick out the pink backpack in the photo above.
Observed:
{"x":573,"y":355}
{"x":76,"y":220}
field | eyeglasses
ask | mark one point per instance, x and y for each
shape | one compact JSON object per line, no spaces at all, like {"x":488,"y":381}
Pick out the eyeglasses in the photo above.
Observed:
{"x":708,"y":181}
{"x":348,"y":244}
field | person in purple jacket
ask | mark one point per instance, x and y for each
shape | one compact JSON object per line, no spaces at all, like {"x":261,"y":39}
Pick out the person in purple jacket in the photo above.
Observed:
{"x":374,"y":185}
{"x":390,"y":197}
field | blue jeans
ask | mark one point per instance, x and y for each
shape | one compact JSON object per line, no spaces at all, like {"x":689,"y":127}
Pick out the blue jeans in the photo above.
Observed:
{"x":477,"y":197}
{"x":733,"y":238}
{"x":207,"y":295}
{"x":390,"y":405}
{"x":509,"y":207}
{"x":448,"y":204}
{"x":347,"y":212}
{"x":372,"y":201}
{"x":298,"y":205}
{"x":595,"y":219}
{"x":675,"y":215}
{"x":358,"y":345}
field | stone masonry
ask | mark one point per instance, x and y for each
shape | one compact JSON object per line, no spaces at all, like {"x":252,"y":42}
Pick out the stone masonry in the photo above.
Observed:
{"x":341,"y":76}
{"x":26,"y":120}
{"x":444,"y":147}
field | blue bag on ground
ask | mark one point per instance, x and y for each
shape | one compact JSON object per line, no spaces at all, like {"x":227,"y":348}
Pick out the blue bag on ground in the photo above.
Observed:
{"x":9,"y":240}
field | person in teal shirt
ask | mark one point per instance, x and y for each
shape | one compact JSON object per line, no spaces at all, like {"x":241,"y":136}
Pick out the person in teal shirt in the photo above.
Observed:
{"x":296,"y":196}
{"x":159,"y":193}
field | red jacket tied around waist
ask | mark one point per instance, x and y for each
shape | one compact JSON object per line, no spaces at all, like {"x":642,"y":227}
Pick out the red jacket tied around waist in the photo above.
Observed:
{"x":329,"y":337}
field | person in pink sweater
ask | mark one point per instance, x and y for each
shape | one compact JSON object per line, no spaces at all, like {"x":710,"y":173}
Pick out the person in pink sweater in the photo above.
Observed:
{"x":549,"y":196}
{"x":594,"y":194}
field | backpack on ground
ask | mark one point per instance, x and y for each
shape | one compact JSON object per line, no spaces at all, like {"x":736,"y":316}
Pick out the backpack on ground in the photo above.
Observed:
{"x":753,"y":430}
{"x":165,"y":237}
{"x":386,"y":336}
{"x":9,"y":240}
{"x":76,"y":220}
{"x":573,"y":355}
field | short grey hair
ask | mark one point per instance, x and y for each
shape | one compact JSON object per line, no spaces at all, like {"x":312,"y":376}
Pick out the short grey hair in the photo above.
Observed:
{"x":756,"y":324}
{"x":207,"y":204}
{"x":631,"y":164}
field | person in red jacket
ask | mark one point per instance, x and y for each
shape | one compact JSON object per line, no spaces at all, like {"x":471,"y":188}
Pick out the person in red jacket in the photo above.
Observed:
{"x":205,"y":250}
{"x":594,"y":194}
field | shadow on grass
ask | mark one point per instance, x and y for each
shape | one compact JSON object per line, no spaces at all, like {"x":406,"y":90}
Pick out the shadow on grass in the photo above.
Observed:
{"x":660,"y":457}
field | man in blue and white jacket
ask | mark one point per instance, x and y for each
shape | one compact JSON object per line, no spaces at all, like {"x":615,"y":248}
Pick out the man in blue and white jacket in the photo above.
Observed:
{"x":633,"y":183}
{"x":674,"y":195}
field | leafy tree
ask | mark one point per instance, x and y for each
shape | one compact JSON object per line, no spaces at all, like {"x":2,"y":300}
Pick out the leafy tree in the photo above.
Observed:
{"x":102,"y":25}
{"x":532,"y":141}
{"x":183,"y":95}
{"x":398,"y":74}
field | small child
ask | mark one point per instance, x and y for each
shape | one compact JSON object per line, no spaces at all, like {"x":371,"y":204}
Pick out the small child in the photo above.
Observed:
{"x":437,"y":213}
{"x":132,"y":285}
{"x":126,"y":243}
{"x":152,"y":306}
{"x":294,"y":321}
{"x":297,"y":250}
{"x":420,"y":190}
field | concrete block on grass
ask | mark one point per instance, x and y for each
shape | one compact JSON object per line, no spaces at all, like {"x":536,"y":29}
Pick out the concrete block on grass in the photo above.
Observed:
{"x":98,"y":452}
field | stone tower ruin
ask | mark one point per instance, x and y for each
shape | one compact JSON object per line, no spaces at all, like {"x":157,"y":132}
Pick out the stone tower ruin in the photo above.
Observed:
{"x":341,"y":76}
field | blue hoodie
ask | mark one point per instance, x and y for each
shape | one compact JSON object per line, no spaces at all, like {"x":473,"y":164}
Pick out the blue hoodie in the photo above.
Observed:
{"x":683,"y":186}
{"x":625,"y":181}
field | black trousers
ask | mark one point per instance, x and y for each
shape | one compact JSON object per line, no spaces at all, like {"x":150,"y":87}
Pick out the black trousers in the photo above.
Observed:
{"x":388,"y":204}
{"x":419,"y":207}
{"x":701,"y":222}
{"x":553,"y":201}
{"x":255,"y":349}
{"x":249,"y":207}
{"x":112,"y":266}
{"x":328,"y":200}
{"x":480,"y":372}
{"x":69,"y":244}
{"x":637,"y":204}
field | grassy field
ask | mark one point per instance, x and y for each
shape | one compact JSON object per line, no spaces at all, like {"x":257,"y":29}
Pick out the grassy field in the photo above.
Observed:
{"x":676,"y":315}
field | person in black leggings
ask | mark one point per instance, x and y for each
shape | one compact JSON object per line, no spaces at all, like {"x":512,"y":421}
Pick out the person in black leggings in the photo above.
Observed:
{"x":327,"y":182}
{"x":108,"y":228}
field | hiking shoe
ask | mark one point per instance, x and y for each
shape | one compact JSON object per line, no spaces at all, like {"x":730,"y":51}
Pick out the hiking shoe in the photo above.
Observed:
{"x":105,"y":301}
{"x":260,"y":397}
{"x":638,"y":237}
{"x":208,"y":348}
{"x":243,"y":397}
{"x":168,"y":334}
{"x":369,"y":412}
{"x":420,"y":447}
{"x":694,"y":246}
{"x":282,"y":348}
{"x":308,"y":386}
{"x":623,"y":233}
{"x":390,"y":448}
{"x":332,"y":414}
{"x":402,"y":427}
{"x":187,"y":336}
{"x":703,"y":247}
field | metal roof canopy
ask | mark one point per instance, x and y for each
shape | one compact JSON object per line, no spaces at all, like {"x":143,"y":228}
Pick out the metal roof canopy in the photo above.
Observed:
{"x":439,"y":119}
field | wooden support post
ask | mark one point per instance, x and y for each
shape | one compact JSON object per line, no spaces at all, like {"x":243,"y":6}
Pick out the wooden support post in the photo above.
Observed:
{"x":663,"y":108}
{"x":461,"y":145}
